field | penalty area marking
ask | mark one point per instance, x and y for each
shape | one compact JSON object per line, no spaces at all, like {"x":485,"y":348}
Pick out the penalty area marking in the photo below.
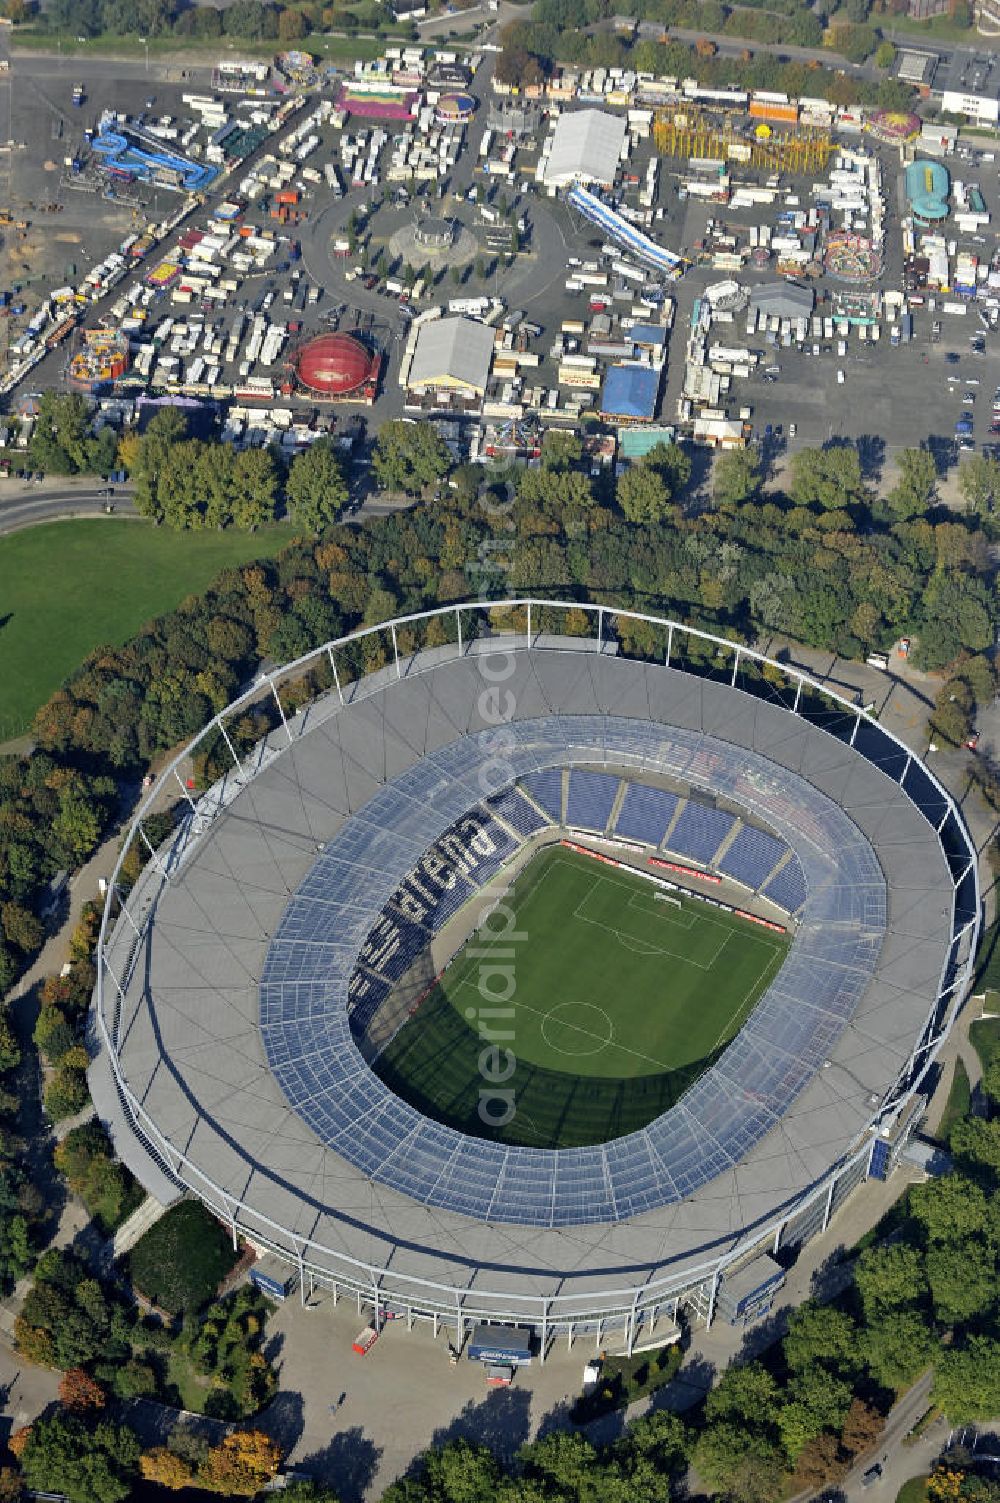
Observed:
{"x":646,"y":946}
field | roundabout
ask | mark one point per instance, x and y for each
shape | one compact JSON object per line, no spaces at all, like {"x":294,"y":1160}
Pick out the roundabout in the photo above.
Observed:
{"x":433,"y":241}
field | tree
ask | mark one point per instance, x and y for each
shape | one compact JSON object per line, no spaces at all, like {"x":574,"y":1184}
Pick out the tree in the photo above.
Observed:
{"x":643,"y":495}
{"x":896,"y":1346}
{"x":991,"y":1079}
{"x":60,"y":441}
{"x":162,"y":1466}
{"x":854,"y":42}
{"x":821,"y":1333}
{"x":76,"y":827}
{"x":291,"y":25}
{"x":950,"y":1209}
{"x":316,"y":489}
{"x":967,"y":1381}
{"x":745,"y":1392}
{"x":21,"y":928}
{"x":255,"y":488}
{"x":916,"y":488}
{"x":462,"y":1470}
{"x":241,"y":1463}
{"x":561,"y":449}
{"x":66,"y":1093}
{"x":962,"y":1277}
{"x":88,"y":1466}
{"x":80,"y":1393}
{"x":888,"y":1277}
{"x":308,"y":1492}
{"x":828,"y":478}
{"x":885,"y":56}
{"x":659,"y":1436}
{"x":672,"y":464}
{"x":409,"y":456}
{"x":736,"y":477}
{"x":739,"y":1461}
{"x":816,"y":1400}
{"x":862,"y":1427}
{"x":953,"y":713}
{"x":979,"y":482}
{"x":820,"y":1461}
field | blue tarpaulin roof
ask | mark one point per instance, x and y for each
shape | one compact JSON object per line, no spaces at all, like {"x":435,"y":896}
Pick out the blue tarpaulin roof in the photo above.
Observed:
{"x":630,"y":391}
{"x":653,"y":334}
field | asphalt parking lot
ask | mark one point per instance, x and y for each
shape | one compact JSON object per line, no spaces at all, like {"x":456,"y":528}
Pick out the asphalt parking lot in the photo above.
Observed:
{"x":890,"y":398}
{"x":36,"y":109}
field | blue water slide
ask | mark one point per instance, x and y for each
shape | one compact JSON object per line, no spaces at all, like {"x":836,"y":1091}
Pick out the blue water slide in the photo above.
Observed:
{"x":623,"y":233}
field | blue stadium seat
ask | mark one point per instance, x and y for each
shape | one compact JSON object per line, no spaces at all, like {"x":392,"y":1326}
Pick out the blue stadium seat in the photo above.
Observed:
{"x":488,"y":862}
{"x":546,"y":789}
{"x":591,"y":799}
{"x":645,"y":813}
{"x":513,"y":807}
{"x":699,"y":832}
{"x":752,"y":856}
{"x":788,"y":888}
{"x":393,"y":945}
{"x":365,"y":995}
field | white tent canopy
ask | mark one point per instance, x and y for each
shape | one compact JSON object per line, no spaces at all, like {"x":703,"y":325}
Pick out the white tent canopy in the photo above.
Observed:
{"x":586,"y":148}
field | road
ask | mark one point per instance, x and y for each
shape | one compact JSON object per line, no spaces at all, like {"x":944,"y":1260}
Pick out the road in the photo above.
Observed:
{"x":730,"y":46}
{"x":29,"y":506}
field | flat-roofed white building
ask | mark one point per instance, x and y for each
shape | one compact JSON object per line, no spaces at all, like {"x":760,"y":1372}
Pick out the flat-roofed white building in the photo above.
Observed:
{"x":586,"y":148}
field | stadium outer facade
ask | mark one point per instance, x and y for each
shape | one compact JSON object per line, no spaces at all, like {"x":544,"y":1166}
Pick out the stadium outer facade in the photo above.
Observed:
{"x":180,"y":1077}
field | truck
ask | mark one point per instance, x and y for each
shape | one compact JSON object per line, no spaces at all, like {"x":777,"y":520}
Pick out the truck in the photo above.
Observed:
{"x":505,"y":1345}
{"x":79,"y":95}
{"x":272,"y":1277}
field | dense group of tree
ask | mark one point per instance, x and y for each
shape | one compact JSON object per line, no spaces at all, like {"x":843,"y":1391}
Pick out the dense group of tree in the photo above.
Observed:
{"x":557,"y":33}
{"x":88,"y":1327}
{"x":21,"y":1205}
{"x":80,"y":1454}
{"x":826,"y":564}
{"x":244,"y":20}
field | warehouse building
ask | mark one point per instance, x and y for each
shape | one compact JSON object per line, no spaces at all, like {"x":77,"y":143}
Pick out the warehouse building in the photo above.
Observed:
{"x":586,"y":148}
{"x":452,"y":357}
{"x":630,"y":394}
{"x":782,"y":300}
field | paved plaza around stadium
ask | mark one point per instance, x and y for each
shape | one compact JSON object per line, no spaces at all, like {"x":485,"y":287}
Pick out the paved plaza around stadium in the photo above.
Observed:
{"x":619,"y":998}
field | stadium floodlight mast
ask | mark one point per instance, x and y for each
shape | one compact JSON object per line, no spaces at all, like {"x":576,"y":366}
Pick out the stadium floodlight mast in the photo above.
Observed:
{"x":129,"y":918}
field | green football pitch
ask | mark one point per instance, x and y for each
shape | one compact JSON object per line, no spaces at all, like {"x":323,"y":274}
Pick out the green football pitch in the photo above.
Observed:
{"x":617,"y":1001}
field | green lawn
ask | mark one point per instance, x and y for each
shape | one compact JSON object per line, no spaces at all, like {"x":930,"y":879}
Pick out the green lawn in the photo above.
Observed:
{"x":620,"y":1001}
{"x":899,"y":29}
{"x":988,"y":960}
{"x":984,"y":1036}
{"x":68,"y":587}
{"x":329,"y":48}
{"x":957,"y":1105}
{"x":180,"y":1262}
{"x":914,"y":1491}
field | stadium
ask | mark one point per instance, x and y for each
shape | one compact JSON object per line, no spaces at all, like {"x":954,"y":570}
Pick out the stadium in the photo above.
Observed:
{"x":533,"y":963}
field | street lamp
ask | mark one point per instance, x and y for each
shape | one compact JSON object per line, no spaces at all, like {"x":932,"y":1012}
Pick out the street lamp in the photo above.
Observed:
{"x":145,"y":43}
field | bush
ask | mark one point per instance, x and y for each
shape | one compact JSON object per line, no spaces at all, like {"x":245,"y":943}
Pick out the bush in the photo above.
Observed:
{"x":66,"y":1093}
{"x":181,"y":1261}
{"x":106,"y":1187}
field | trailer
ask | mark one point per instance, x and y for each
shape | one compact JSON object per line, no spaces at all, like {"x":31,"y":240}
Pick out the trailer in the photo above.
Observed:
{"x":507,"y":1346}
